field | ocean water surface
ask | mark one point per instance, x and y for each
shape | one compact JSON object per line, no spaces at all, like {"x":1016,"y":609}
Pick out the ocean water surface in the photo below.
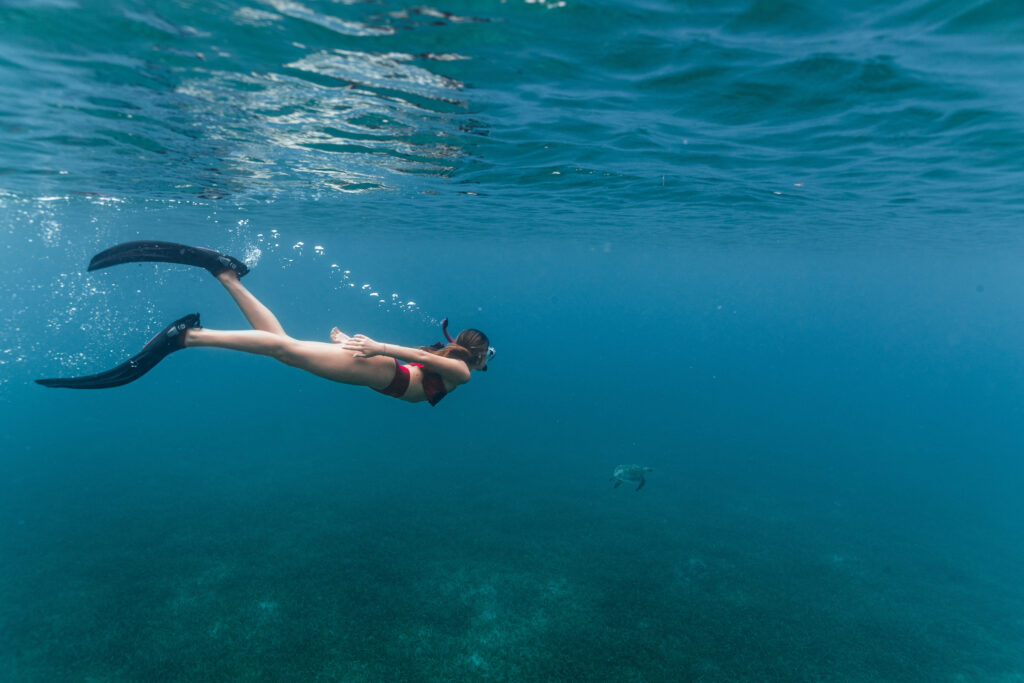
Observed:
{"x":769,"y":249}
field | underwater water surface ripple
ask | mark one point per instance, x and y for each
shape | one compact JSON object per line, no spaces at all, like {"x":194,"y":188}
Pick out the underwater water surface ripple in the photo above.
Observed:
{"x":857,"y":119}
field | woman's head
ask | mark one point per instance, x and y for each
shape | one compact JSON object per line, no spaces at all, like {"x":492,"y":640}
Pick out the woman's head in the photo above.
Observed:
{"x":471,"y":346}
{"x":478,"y":345}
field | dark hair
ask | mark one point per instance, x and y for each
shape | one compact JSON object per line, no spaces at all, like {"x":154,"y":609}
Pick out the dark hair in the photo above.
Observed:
{"x":470,"y":346}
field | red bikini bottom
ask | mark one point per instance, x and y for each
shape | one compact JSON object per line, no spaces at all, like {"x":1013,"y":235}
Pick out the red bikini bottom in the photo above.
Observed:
{"x":399,"y":384}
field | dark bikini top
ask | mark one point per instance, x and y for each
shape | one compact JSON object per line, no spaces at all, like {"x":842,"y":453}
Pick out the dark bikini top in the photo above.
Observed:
{"x":433,"y":385}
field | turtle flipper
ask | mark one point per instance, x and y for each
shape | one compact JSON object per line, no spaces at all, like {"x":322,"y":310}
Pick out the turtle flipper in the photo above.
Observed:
{"x":642,"y":482}
{"x":617,"y":484}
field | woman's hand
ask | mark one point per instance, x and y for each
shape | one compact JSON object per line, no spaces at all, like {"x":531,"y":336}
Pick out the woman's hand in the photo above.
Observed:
{"x":337,"y":336}
{"x":363,"y":346}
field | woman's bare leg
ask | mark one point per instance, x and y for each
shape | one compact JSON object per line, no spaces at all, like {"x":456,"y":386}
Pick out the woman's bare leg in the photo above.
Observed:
{"x":268,"y":338}
{"x":258,"y":315}
{"x":320,"y":358}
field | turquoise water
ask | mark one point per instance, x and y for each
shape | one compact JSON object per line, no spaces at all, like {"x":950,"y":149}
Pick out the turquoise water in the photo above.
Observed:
{"x":769,"y":249}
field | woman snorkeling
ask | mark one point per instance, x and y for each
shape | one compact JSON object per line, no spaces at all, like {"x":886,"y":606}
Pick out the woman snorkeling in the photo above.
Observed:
{"x":430,"y":373}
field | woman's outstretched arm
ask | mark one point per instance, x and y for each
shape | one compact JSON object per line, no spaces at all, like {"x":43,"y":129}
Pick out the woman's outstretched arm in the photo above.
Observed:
{"x":454,"y":370}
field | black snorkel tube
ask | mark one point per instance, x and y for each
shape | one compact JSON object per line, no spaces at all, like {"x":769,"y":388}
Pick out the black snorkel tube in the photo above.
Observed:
{"x":444,"y":331}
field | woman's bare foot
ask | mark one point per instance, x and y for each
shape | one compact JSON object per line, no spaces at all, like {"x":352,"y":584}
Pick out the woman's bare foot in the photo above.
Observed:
{"x":337,"y":336}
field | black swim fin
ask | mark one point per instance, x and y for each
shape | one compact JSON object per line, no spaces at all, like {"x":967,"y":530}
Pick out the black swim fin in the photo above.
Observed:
{"x":166,"y":341}
{"x":167,"y":252}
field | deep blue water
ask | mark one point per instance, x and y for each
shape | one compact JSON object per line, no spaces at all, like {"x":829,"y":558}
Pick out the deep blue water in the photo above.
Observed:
{"x":770,"y":249}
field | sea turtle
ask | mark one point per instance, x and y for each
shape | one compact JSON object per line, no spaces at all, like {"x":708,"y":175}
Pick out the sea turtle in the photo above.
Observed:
{"x":630,"y":473}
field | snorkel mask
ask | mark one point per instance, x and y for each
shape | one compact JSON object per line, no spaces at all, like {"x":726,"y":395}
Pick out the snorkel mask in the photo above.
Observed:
{"x":490,"y":349}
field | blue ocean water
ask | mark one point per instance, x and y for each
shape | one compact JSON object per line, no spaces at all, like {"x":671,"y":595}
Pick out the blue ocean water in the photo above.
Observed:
{"x":770,"y":249}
